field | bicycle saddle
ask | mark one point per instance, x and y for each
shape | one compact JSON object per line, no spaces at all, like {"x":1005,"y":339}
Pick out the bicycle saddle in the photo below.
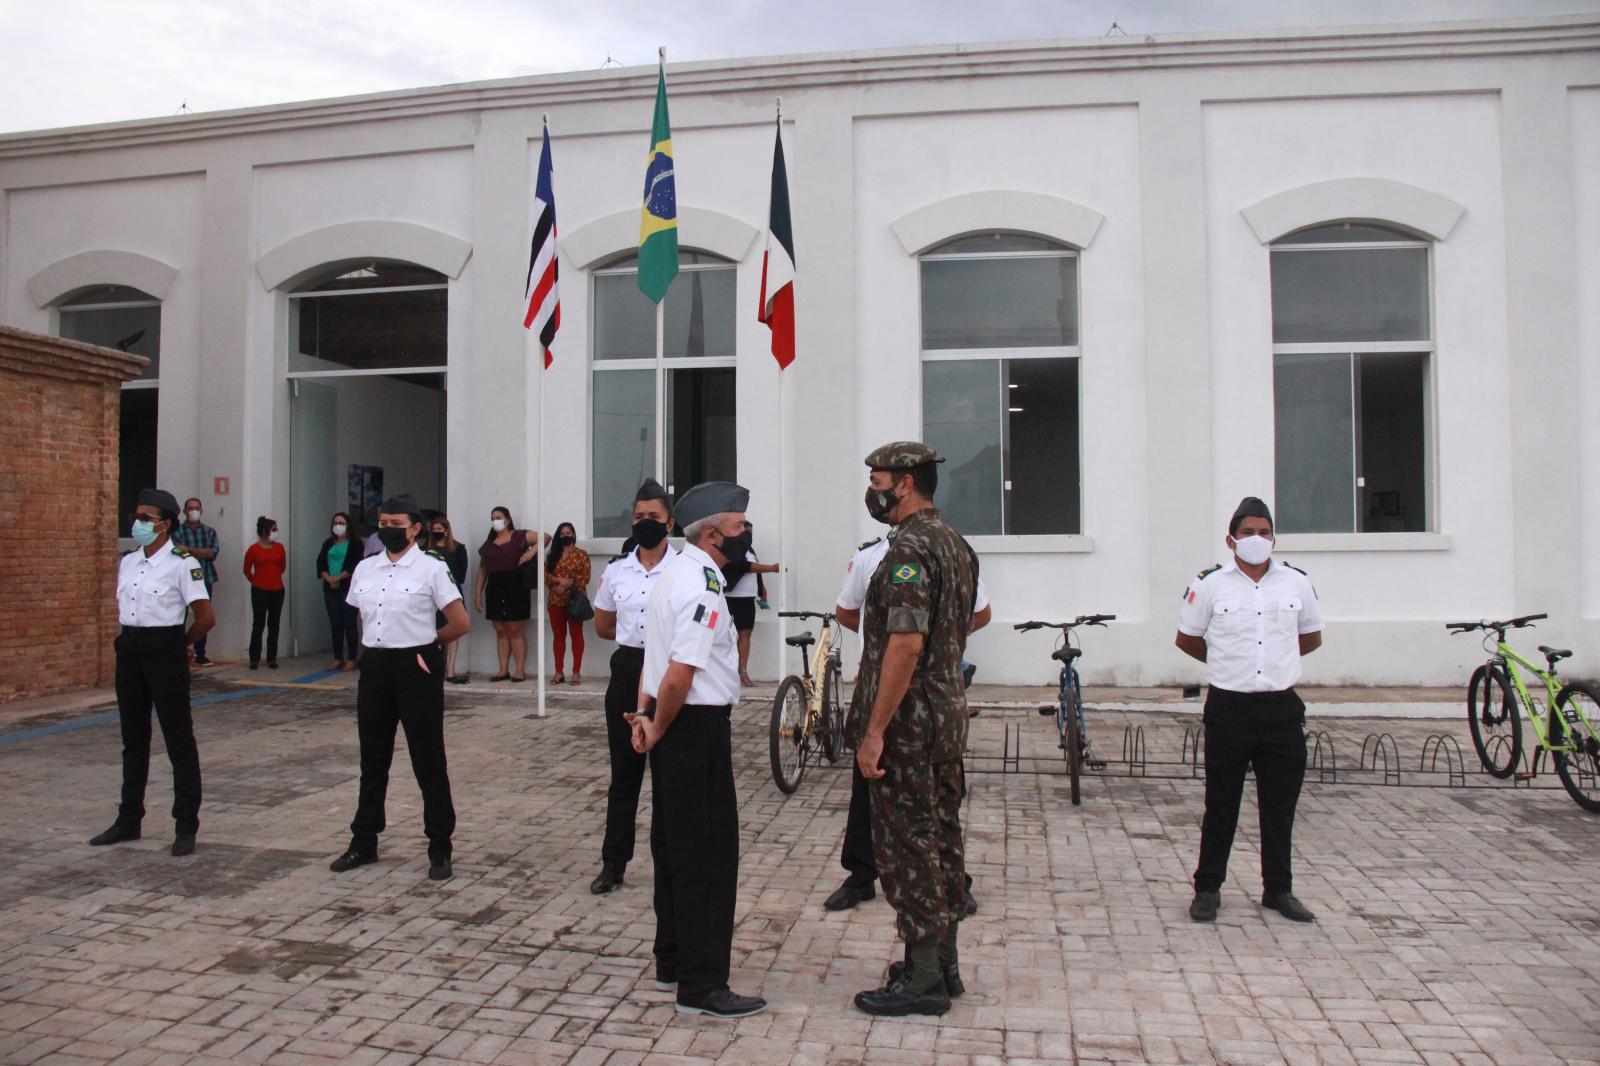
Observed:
{"x":1066,"y":654}
{"x":1555,"y":655}
{"x":804,"y":640}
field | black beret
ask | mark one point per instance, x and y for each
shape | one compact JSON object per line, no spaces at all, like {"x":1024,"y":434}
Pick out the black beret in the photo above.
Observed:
{"x":1249,"y":507}
{"x":650,"y":490}
{"x":160,"y":499}
{"x":401,"y":505}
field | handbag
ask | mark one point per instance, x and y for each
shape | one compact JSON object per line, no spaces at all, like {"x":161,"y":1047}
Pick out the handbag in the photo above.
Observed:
{"x":578,"y":606}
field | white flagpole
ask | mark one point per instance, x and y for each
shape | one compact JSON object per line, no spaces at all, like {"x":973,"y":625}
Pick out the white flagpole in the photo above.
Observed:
{"x":538,"y":510}
{"x":783,"y":564}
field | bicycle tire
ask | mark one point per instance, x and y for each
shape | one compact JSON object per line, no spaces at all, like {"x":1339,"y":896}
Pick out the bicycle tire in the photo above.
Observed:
{"x":788,"y":740}
{"x":1071,"y":738}
{"x":832,"y":713}
{"x":1578,"y":710}
{"x":1496,"y":725}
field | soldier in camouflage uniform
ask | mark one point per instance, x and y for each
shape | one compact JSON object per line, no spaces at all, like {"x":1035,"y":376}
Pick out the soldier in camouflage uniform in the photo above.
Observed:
{"x":908,"y":723}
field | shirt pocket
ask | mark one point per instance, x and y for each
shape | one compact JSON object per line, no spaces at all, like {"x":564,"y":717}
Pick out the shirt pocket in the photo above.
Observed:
{"x":1288,"y":610}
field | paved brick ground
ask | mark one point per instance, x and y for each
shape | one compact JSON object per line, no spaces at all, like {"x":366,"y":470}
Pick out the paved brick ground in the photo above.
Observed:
{"x":1456,"y":925}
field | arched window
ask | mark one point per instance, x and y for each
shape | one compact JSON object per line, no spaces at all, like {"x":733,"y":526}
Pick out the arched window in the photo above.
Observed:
{"x":1000,"y":353}
{"x":686,"y":381}
{"x":116,"y":316}
{"x":1352,"y":338}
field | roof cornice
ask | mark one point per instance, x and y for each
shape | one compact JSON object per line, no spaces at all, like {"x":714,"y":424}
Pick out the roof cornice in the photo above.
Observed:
{"x":1442,"y":40}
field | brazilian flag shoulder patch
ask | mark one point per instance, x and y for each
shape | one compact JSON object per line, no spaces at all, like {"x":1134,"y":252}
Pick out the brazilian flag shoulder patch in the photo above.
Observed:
{"x":906,"y":574}
{"x":713,"y":580}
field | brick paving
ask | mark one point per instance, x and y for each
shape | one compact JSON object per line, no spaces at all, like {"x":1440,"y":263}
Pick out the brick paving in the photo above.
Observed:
{"x":1456,"y":925}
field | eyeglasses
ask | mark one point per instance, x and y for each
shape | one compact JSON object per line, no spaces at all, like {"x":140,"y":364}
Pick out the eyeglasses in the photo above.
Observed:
{"x":138,"y":516}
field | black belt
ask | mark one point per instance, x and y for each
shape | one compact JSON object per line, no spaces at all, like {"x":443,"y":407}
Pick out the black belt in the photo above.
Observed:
{"x":1268,"y":697}
{"x":367,"y":649}
{"x":153,"y":629}
{"x":628,"y":651}
{"x":724,"y":709}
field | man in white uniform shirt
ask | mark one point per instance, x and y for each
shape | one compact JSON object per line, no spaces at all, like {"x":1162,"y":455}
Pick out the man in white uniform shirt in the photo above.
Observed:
{"x":157,"y":583}
{"x":399,"y":593}
{"x":687,"y":690}
{"x":619,"y":608}
{"x":1250,"y":621}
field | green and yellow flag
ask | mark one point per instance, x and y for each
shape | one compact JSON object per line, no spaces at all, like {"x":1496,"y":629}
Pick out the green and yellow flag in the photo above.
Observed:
{"x":658,"y":219}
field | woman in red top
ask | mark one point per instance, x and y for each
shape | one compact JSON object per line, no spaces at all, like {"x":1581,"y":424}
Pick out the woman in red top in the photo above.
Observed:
{"x":264,"y":562}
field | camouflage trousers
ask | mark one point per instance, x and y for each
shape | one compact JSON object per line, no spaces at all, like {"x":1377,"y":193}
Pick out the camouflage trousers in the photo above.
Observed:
{"x":916,"y":842}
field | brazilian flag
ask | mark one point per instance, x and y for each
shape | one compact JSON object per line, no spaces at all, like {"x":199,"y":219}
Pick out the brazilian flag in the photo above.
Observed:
{"x":658,"y":220}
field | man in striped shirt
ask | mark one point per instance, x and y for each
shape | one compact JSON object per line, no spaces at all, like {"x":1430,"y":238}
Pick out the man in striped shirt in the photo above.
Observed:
{"x":202,"y":542}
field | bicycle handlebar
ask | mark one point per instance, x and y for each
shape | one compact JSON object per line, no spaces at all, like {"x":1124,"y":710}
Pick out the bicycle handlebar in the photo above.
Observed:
{"x":1498,"y":627}
{"x":805,"y":614}
{"x":1081,"y":620}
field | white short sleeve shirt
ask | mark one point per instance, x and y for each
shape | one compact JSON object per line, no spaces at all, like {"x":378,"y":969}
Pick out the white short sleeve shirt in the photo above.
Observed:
{"x":1252,"y":630}
{"x":156,"y":590}
{"x":625,"y":589}
{"x":864,"y":563}
{"x":398,"y":599}
{"x":686,"y":621}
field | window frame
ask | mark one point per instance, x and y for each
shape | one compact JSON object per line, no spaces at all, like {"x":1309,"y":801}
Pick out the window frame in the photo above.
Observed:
{"x":1005,"y":541}
{"x":331,"y":270}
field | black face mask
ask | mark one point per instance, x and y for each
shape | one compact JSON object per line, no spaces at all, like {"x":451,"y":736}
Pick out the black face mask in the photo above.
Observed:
{"x":880,"y":502}
{"x":393,"y":538}
{"x":733,"y":549}
{"x":564,"y":541}
{"x":647,"y":533}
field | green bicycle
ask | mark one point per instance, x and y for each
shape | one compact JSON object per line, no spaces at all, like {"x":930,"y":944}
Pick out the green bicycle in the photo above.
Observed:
{"x":1568,"y":732}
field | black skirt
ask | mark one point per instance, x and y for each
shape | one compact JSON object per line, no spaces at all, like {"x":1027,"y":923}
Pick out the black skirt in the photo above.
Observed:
{"x":506,"y":599}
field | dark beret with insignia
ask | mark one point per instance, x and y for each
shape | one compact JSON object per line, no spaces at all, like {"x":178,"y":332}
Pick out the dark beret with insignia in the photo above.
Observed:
{"x":401,"y":505}
{"x":902,"y":455}
{"x":1249,"y":507}
{"x":709,"y":498}
{"x":160,"y":499}
{"x":650,"y":490}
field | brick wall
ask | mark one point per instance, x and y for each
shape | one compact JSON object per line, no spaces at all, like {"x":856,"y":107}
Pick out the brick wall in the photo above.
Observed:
{"x":58,"y":511}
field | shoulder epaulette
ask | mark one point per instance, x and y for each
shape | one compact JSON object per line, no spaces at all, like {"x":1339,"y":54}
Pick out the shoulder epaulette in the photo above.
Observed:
{"x":1208,"y":571}
{"x":1296,"y":569}
{"x":436,"y":554}
{"x":864,"y":545}
{"x":180,"y":551}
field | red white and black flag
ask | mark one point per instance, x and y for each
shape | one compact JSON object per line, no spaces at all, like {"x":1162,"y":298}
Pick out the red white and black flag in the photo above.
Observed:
{"x":542,"y":295}
{"x":777,"y":265}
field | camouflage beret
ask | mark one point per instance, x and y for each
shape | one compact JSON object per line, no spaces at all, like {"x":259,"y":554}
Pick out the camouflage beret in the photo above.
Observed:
{"x":902,"y":455}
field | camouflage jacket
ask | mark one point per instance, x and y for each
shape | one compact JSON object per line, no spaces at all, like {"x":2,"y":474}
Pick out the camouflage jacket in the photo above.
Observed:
{"x":926,"y":584}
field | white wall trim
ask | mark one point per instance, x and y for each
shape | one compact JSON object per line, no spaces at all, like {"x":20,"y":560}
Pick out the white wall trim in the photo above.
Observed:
{"x":1363,"y":542}
{"x":698,"y":227}
{"x":105,"y":266}
{"x":996,"y":209}
{"x":1353,"y":200}
{"x":374,"y":238}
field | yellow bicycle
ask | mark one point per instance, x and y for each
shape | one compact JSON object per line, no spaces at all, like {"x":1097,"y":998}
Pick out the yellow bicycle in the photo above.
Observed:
{"x":807,"y":715}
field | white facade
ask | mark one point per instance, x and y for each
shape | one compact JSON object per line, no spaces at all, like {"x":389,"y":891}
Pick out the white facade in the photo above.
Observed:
{"x":1169,"y":164}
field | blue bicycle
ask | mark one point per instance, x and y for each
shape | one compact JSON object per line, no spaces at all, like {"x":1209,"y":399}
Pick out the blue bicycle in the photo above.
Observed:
{"x":1068,"y":709}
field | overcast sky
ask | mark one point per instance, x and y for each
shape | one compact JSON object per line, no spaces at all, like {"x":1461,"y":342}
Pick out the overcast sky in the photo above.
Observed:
{"x":71,"y":62}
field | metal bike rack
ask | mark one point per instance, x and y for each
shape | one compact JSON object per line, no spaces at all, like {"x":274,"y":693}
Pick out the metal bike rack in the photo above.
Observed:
{"x":1133,"y":749}
{"x":1191,"y":750}
{"x":1437,"y":744}
{"x":1323,"y":758}
{"x":1012,"y":761}
{"x":1382,"y":746}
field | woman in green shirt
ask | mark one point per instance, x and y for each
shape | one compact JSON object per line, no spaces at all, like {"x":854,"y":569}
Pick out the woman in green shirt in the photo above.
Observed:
{"x":335,"y":563}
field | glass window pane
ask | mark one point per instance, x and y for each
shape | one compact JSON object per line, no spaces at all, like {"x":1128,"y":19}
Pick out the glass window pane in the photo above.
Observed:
{"x":700,"y":314}
{"x":624,"y":445}
{"x":701,"y":443}
{"x":997,"y":242}
{"x":1393,"y":451}
{"x":624,"y":319}
{"x":961,"y":418}
{"x":1313,"y":408}
{"x":380,"y":274}
{"x":137,"y":453}
{"x":1350,"y":296}
{"x":1345,"y":233}
{"x":369,"y":331}
{"x":107,"y":294}
{"x":136,"y":330}
{"x":999,"y":303}
{"x":1042,"y":447}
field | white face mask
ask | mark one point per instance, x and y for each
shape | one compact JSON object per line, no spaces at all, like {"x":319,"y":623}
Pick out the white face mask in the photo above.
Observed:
{"x":273,"y":536}
{"x":338,"y":529}
{"x":1254,"y":550}
{"x":194,"y":516}
{"x":498,"y":525}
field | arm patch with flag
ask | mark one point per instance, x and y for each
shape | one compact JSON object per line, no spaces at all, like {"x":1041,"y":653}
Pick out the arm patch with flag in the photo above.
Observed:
{"x":542,"y":313}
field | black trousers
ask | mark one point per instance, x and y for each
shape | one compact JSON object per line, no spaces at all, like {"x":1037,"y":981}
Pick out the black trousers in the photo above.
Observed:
{"x":856,"y":854}
{"x":1265,"y":730}
{"x":694,"y":840}
{"x":153,"y":669}
{"x":266,"y":608}
{"x":627,"y":765}
{"x":342,"y":621}
{"x":395,"y":691}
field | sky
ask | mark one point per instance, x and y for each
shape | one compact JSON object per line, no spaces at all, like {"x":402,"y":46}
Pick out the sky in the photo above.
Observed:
{"x":75,"y":62}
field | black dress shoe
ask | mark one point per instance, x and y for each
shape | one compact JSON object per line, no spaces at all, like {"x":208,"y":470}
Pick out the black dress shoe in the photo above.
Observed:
{"x":971,"y":903}
{"x":182,"y":844}
{"x":115,"y":835}
{"x":1204,"y":907}
{"x":1285,"y":904}
{"x":953,"y":985}
{"x":351,"y":859}
{"x":721,"y":1003}
{"x":440,"y":871}
{"x":608,"y":878}
{"x":896,"y":999}
{"x":848,"y":895}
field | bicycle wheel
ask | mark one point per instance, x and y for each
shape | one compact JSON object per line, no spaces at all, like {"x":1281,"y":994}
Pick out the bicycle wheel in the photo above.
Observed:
{"x":1071,"y":738}
{"x":788,"y":742}
{"x":1578,"y":706}
{"x":1496,"y":725}
{"x":832,"y":725}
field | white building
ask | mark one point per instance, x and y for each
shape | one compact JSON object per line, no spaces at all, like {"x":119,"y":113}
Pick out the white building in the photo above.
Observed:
{"x":1121,"y":283}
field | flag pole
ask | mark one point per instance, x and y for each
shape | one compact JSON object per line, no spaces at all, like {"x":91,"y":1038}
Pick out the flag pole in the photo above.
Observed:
{"x":783,"y":563}
{"x":538,"y":510}
{"x":661,"y":334}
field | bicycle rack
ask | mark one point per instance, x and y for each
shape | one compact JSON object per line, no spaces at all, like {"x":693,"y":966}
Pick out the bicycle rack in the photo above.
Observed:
{"x":1191,"y":750}
{"x":1524,"y":779}
{"x":1382,"y":744}
{"x":1011,"y":762}
{"x":1133,"y":749}
{"x":1497,"y":746}
{"x":1437,"y":744}
{"x":1323,"y":759}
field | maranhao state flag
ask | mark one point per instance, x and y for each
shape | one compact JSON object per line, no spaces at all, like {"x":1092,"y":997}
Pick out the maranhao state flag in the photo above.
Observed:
{"x":658,"y":218}
{"x":777,"y":265}
{"x":542,"y":294}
